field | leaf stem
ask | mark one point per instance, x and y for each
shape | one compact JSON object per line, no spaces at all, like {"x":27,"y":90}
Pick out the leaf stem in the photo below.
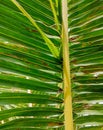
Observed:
{"x":66,"y":70}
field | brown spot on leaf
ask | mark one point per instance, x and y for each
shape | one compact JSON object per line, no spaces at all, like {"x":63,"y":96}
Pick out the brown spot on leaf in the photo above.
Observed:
{"x":44,"y":63}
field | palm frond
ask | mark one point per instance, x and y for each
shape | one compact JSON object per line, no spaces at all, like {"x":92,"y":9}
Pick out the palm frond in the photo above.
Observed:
{"x":86,"y":38}
{"x":31,"y":68}
{"x":30,"y":75}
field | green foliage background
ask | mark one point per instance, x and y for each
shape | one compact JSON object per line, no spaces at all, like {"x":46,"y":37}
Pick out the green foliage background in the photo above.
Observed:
{"x":31,"y":90}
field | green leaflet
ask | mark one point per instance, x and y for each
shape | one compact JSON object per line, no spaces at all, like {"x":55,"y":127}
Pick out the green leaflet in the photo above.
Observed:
{"x":32,"y":123}
{"x":33,"y":111}
{"x":15,"y":98}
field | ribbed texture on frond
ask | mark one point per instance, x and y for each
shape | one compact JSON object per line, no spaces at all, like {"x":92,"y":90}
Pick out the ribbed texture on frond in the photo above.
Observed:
{"x":30,"y":76}
{"x":86,"y":45}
